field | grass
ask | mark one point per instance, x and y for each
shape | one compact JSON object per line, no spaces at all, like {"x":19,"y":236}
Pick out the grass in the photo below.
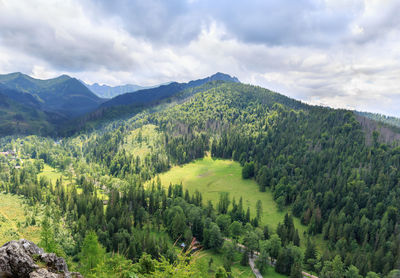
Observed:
{"x":213,"y":176}
{"x":237,"y":269}
{"x":51,"y":174}
{"x":143,"y":140}
{"x":13,"y":219}
{"x":270,"y":273}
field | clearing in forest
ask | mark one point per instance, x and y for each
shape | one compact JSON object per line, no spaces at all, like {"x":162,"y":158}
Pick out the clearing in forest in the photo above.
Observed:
{"x":213,"y":176}
{"x":16,"y":220}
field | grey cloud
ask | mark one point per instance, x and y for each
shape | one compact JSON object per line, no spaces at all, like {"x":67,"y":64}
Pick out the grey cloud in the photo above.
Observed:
{"x":69,"y":49}
{"x":287,"y":22}
{"x":283,"y":22}
{"x":173,"y":21}
{"x":268,"y":22}
{"x":382,"y":22}
{"x":306,"y":49}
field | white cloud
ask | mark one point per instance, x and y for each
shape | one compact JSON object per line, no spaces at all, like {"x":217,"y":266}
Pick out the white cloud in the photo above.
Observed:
{"x":348,"y":59}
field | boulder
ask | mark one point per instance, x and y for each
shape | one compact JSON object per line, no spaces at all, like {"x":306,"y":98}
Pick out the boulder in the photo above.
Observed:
{"x":23,"y":259}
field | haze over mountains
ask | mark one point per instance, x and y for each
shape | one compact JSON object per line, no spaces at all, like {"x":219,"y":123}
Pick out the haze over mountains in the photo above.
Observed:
{"x":105,"y":91}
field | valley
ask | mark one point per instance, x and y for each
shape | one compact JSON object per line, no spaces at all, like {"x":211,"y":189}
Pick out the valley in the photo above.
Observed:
{"x":199,"y":139}
{"x":193,"y":164}
{"x":214,"y":176}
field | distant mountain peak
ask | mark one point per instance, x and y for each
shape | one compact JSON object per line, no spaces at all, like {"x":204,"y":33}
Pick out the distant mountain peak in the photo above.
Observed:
{"x":224,"y":77}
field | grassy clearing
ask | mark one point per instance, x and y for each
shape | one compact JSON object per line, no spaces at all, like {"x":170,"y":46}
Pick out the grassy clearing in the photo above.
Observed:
{"x":213,"y":176}
{"x":13,"y":220}
{"x":52,"y":174}
{"x":142,"y":141}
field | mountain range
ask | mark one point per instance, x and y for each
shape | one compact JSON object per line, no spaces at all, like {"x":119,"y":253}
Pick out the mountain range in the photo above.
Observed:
{"x":334,"y":171}
{"x":146,"y":96}
{"x":51,"y":103}
{"x":105,"y":91}
{"x":64,"y":95}
{"x":65,"y":104}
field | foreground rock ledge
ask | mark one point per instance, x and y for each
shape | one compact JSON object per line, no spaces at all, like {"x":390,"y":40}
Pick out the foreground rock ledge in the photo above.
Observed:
{"x":24,"y":259}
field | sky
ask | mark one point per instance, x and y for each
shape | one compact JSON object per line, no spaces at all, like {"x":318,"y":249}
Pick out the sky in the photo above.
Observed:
{"x":337,"y":53}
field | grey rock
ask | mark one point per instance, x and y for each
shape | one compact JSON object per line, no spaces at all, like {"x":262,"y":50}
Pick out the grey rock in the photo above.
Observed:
{"x":24,"y":259}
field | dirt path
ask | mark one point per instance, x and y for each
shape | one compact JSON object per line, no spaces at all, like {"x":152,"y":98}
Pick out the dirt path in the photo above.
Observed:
{"x":257,"y":272}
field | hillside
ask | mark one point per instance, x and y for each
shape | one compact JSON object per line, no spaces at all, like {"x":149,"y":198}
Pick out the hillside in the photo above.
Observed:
{"x":20,"y":97}
{"x":321,"y":162}
{"x":386,"y":120}
{"x":16,"y":118}
{"x":129,"y":104}
{"x":147,"y":96}
{"x":327,"y":185}
{"x":314,"y":159}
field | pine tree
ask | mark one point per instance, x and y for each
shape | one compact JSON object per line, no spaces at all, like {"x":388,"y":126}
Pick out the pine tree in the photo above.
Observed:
{"x":259,"y":210}
{"x":47,"y":241}
{"x":92,"y":252}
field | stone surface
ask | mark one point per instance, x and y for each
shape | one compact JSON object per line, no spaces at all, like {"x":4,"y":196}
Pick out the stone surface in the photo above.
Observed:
{"x":24,"y":259}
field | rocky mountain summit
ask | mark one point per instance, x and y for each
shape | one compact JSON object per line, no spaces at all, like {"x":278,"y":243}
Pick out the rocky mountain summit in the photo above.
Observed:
{"x":23,"y":259}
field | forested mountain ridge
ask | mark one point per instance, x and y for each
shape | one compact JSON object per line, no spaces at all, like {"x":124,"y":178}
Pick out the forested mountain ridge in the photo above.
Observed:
{"x":69,"y":103}
{"x":147,"y":96}
{"x":126,"y":105}
{"x":17,"y":118}
{"x":315,"y":159}
{"x":64,"y":95}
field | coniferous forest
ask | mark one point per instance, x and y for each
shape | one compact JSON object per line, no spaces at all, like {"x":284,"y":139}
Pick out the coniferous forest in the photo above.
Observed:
{"x":108,"y":213}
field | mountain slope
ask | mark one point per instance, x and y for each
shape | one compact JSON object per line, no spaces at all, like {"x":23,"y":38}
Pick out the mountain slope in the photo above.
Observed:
{"x":69,"y":97}
{"x":147,"y":96}
{"x":316,"y":161}
{"x":16,"y":118}
{"x":393,"y":121}
{"x":63,"y":94}
{"x":20,"y":97}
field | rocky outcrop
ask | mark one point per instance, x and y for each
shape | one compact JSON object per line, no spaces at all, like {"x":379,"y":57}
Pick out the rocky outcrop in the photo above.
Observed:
{"x":23,"y":259}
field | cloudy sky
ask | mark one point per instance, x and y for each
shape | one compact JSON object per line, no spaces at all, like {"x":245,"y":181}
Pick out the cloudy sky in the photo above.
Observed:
{"x":340,"y":53}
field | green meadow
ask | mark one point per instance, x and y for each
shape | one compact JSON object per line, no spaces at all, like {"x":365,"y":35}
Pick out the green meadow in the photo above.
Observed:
{"x":143,"y":140}
{"x":213,"y":176}
{"x":52,"y":174}
{"x":14,"y":216}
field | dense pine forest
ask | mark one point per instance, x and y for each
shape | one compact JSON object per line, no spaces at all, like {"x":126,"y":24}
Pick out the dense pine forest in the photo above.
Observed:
{"x":109,"y":214}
